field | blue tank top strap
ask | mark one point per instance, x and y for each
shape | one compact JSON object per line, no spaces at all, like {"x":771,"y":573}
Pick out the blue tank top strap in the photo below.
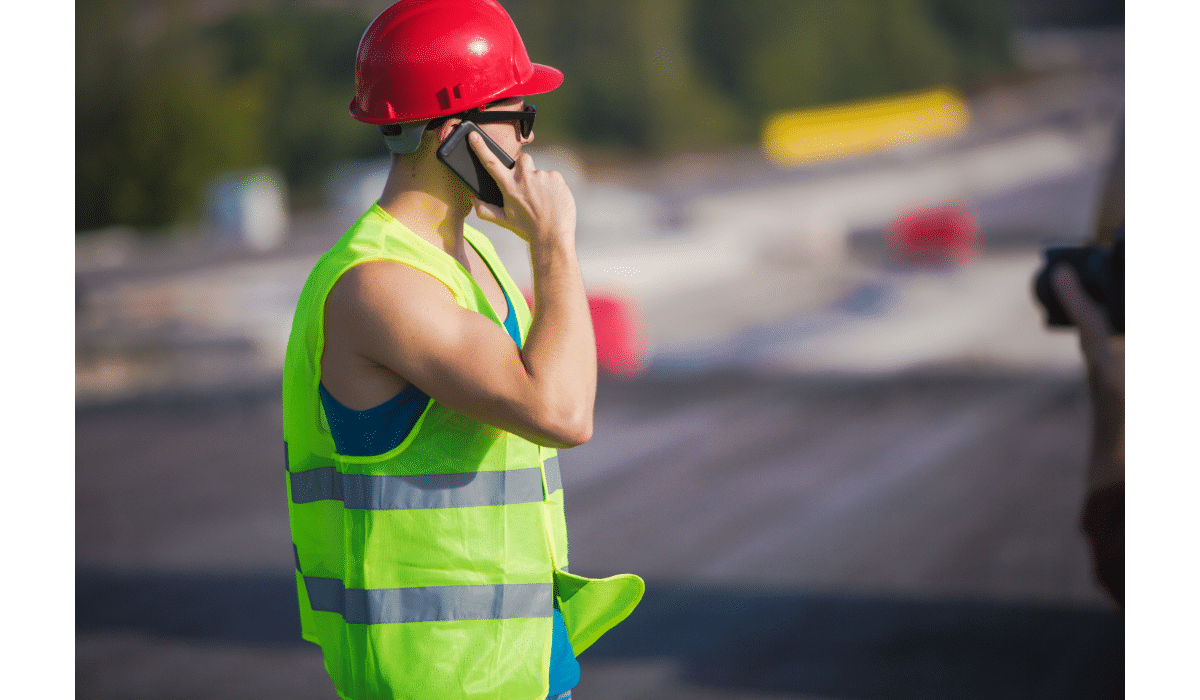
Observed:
{"x":510,"y":321}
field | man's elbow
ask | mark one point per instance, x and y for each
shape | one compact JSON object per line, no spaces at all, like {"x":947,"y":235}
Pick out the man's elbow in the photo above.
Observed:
{"x":569,"y":428}
{"x":581,"y":434}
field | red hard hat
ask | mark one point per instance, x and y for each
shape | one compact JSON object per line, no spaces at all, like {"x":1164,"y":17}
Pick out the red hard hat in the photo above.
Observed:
{"x":422,"y":59}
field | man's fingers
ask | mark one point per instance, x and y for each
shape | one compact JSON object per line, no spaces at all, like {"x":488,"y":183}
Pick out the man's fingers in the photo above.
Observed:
{"x":1079,"y":306}
{"x":1085,"y":313}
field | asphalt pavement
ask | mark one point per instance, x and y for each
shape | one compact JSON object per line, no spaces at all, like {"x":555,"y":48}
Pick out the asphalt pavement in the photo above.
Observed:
{"x":801,"y":537}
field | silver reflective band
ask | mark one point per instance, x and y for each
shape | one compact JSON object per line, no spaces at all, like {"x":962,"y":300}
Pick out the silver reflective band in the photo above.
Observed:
{"x":553,"y":474}
{"x":381,"y":606}
{"x":323,"y":484}
{"x":416,"y":491}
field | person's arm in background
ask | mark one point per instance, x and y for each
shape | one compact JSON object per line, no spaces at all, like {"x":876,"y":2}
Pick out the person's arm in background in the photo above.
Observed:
{"x":1103,"y":518}
{"x":1112,"y":198}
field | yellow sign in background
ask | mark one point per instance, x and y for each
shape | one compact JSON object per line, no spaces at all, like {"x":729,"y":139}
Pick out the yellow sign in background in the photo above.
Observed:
{"x":853,"y":128}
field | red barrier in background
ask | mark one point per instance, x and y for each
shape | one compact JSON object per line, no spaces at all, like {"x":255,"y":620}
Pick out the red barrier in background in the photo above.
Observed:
{"x":621,"y":347}
{"x":945,"y":233}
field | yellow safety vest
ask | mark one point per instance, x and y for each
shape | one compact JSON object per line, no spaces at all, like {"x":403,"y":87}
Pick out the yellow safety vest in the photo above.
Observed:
{"x":429,"y":571}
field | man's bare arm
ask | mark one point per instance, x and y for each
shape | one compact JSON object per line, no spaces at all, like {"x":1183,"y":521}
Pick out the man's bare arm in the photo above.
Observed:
{"x":408,"y":322}
{"x":560,"y":350}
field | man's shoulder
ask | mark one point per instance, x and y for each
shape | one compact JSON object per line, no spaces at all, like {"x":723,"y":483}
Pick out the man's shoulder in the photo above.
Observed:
{"x":386,"y":283}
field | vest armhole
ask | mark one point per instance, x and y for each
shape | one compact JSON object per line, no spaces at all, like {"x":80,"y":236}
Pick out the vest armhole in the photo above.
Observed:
{"x":322,"y":421}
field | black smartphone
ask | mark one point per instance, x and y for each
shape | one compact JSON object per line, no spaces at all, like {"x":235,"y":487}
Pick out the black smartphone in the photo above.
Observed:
{"x":456,"y":153}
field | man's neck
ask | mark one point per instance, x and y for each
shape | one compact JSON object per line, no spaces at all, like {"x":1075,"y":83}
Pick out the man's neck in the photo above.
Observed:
{"x":428,"y":210}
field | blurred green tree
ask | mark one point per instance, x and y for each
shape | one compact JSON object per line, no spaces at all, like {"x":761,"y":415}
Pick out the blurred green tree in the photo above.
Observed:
{"x":665,"y":75}
{"x":631,"y":80}
{"x":153,"y":119}
{"x":306,"y":55}
{"x":770,"y":55}
{"x":164,"y":105}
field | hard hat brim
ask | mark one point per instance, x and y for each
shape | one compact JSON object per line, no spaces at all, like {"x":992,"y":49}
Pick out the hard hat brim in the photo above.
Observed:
{"x":544,"y":79}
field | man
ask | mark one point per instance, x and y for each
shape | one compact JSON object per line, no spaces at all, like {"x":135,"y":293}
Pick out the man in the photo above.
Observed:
{"x":423,"y":403}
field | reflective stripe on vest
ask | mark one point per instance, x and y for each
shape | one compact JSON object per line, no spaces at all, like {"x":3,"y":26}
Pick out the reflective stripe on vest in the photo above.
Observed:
{"x":378,"y":606}
{"x":553,"y":474}
{"x":390,"y":492}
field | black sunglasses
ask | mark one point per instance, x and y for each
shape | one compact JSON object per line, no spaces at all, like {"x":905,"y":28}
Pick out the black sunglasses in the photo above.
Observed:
{"x":525,"y":117}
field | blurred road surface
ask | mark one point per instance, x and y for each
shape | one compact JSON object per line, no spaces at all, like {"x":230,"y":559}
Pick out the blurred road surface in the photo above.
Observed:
{"x":913,"y":537}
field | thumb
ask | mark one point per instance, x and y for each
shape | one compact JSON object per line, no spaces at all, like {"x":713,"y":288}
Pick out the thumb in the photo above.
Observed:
{"x":489,"y":212}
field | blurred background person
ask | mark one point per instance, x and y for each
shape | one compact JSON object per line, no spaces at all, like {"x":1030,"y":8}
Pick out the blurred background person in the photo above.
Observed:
{"x":1103,"y":518}
{"x":1103,"y":349}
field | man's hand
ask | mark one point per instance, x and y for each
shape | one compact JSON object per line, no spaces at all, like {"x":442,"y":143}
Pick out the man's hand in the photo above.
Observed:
{"x":1104,"y":355}
{"x":538,"y":205}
